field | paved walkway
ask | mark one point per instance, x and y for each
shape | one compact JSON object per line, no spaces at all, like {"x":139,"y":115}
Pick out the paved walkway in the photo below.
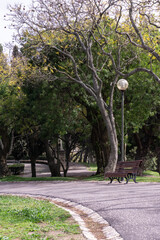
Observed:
{"x":133,"y":210}
{"x":42,"y":170}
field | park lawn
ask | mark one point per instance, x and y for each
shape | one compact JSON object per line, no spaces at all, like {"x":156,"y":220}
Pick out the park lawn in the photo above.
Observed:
{"x":148,"y":176}
{"x":16,"y":178}
{"x":91,"y":166}
{"x":28,"y":218}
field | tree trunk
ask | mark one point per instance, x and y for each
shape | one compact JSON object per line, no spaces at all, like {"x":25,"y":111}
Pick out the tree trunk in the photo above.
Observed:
{"x":86,"y":152}
{"x":158,"y":159}
{"x":99,"y":138}
{"x":67,"y":153}
{"x":35,"y":148}
{"x":4,"y":170}
{"x":97,"y":149}
{"x":33,"y":166}
{"x":108,"y":150}
{"x":5,"y":144}
{"x":54,"y":167}
{"x":112,"y":136}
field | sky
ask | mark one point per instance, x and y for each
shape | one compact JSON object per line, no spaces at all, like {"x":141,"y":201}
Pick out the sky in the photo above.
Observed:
{"x":5,"y":32}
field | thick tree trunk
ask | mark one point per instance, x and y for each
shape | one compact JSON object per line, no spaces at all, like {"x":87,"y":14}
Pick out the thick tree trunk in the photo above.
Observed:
{"x":5,"y":144}
{"x":86,"y":152}
{"x":4,"y":170}
{"x":33,"y":166}
{"x":99,"y":138}
{"x":54,"y":167}
{"x":112,"y":135}
{"x":100,"y":144}
{"x":67,"y":153}
{"x":35,"y":148}
{"x":105,"y":143}
{"x":157,"y":150}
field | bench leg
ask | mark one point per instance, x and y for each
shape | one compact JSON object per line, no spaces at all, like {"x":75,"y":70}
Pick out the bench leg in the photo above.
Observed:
{"x":127,"y":179}
{"x":134,"y":178}
{"x":119,"y":180}
{"x":131,"y":176}
{"x":111,"y":180}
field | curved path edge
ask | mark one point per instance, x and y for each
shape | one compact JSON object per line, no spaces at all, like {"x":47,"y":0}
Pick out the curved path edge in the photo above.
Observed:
{"x":109,"y":232}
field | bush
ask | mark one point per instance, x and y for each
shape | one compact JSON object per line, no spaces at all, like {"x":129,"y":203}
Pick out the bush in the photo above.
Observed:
{"x":17,"y":168}
{"x":150,"y":162}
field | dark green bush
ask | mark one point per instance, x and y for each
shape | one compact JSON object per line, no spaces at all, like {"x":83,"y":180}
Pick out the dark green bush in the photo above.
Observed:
{"x":16,"y":168}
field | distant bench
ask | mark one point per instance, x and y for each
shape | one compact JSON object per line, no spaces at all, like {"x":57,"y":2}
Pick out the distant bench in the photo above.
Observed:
{"x":127,"y":170}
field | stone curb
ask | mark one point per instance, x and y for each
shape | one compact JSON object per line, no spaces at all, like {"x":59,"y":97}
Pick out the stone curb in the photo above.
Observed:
{"x":109,"y":232}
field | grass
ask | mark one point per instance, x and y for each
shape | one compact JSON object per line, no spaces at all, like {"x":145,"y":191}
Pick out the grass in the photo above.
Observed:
{"x":148,"y":176}
{"x":91,"y":166}
{"x":22,"y":179}
{"x":28,"y":219}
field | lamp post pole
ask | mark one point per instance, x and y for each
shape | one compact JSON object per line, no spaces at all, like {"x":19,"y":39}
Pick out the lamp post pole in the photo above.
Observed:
{"x":122,"y":85}
{"x":122,"y":127}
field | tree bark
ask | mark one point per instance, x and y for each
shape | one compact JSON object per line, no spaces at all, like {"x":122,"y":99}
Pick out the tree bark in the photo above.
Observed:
{"x":33,"y":166}
{"x":54,"y":167}
{"x":99,"y":139}
{"x":68,"y":149}
{"x":4,"y":171}
{"x":5,"y":144}
{"x":112,"y":136}
{"x":35,"y":148}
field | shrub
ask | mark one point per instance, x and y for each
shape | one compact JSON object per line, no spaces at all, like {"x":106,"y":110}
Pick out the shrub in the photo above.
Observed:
{"x":17,"y":168}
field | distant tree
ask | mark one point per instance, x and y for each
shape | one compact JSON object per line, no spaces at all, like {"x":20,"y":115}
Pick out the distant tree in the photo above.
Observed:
{"x":15,"y":52}
{"x":1,"y":48}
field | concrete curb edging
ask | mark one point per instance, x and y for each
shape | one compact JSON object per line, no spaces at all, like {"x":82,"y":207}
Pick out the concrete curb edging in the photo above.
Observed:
{"x":109,"y":232}
{"x":87,"y":234}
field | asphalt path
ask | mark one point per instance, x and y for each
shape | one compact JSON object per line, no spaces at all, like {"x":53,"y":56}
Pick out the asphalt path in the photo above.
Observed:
{"x":133,"y":210}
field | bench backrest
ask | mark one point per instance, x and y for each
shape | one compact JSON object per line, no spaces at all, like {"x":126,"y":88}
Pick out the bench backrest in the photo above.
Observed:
{"x":129,"y":166}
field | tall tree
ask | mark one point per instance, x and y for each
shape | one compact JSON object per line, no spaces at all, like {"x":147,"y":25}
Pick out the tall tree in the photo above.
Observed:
{"x":68,"y":28}
{"x":7,"y":101}
{"x":15,"y":52}
{"x":66,"y":18}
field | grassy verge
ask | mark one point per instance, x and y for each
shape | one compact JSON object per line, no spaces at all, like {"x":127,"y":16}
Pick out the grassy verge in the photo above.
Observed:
{"x":27,"y":219}
{"x":148,"y":176}
{"x":22,"y":179}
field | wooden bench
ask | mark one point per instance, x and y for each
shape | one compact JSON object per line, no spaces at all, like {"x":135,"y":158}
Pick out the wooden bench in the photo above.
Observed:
{"x":127,"y":170}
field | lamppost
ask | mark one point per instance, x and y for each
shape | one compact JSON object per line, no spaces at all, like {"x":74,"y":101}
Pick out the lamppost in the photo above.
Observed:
{"x":122,"y":85}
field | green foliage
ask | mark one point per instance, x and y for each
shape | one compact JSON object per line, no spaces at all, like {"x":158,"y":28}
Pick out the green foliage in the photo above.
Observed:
{"x":39,"y":101}
{"x":15,"y":52}
{"x":16,"y":169}
{"x":150,"y":162}
{"x":142,"y":100}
